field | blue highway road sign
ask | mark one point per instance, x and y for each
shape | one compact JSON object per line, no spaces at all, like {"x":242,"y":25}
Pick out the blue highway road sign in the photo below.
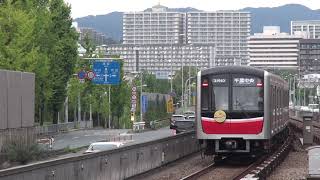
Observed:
{"x":107,"y":72}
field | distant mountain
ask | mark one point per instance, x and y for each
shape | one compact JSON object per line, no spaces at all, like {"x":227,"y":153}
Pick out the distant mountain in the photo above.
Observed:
{"x":108,"y":24}
{"x":111,"y":24}
{"x":280,"y":16}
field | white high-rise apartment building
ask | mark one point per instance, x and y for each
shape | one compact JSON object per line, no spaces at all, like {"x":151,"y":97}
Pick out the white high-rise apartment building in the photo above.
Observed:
{"x":273,"y":50}
{"x":228,"y":31}
{"x":155,"y":27}
{"x":310,"y":29}
{"x":161,"y":40}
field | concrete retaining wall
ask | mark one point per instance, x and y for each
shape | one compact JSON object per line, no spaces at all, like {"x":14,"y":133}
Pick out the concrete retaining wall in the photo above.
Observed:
{"x":115,"y":164}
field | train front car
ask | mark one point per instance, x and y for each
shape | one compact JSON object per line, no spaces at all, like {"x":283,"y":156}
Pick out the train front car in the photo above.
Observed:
{"x":233,"y":113}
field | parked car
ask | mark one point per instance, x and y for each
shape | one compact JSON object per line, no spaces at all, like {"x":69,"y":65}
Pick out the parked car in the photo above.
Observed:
{"x":193,"y":118}
{"x":183,"y":124}
{"x":176,"y":117}
{"x":313,"y":107}
{"x":189,"y":113}
{"x":103,"y":146}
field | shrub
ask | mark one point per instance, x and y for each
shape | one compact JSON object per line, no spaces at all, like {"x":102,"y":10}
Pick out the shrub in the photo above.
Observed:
{"x":18,"y":151}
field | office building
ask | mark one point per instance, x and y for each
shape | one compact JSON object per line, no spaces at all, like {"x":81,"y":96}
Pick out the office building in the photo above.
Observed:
{"x":273,"y":50}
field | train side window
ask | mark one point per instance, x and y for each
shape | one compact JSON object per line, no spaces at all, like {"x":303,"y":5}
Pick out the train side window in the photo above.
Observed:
{"x":272,"y":106}
{"x":275,"y":106}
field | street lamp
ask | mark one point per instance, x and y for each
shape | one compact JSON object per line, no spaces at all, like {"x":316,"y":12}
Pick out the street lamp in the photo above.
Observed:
{"x":189,"y":89}
{"x":182,"y":94}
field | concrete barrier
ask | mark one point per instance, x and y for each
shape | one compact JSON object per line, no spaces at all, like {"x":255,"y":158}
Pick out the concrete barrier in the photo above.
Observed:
{"x":114,"y":164}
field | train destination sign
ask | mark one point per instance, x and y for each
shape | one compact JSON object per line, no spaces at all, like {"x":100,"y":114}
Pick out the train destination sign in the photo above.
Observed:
{"x":245,"y":81}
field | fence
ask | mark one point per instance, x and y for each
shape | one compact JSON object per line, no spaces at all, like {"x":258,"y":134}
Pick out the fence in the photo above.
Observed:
{"x":63,"y":127}
{"x":24,"y":135}
{"x":30,"y":134}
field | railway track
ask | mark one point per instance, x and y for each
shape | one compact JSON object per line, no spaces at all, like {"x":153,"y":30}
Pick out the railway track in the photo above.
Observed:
{"x":205,"y":170}
{"x":259,"y":168}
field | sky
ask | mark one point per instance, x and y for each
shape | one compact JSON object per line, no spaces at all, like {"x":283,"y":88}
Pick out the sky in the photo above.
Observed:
{"x":82,"y":8}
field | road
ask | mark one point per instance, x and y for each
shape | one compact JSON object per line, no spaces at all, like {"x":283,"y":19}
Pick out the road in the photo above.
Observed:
{"x":81,"y":138}
{"x":86,"y":137}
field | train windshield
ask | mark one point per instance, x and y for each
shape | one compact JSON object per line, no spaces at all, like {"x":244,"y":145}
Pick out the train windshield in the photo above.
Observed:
{"x":247,"y":94}
{"x":220,"y":96}
{"x":247,"y":98}
{"x":234,"y":93}
{"x":220,"y":93}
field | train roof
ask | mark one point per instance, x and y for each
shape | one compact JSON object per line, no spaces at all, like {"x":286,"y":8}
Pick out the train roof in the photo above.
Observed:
{"x":234,"y":69}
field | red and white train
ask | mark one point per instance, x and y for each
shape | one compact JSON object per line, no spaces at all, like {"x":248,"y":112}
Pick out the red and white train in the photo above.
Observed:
{"x":240,"y":109}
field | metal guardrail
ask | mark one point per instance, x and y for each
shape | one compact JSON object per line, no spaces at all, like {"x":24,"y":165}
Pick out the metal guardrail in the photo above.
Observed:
{"x":138,"y":126}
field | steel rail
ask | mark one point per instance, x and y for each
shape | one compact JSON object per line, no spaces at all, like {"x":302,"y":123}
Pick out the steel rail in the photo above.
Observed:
{"x":205,"y":170}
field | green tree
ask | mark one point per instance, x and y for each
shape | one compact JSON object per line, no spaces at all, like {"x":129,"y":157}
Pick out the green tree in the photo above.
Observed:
{"x":36,"y":36}
{"x":63,"y":54}
{"x":177,"y":80}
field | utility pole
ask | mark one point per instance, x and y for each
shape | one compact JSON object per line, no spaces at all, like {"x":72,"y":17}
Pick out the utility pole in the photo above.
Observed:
{"x":182,"y":94}
{"x":90,"y":109}
{"x":79,"y":107}
{"x":171,"y":68}
{"x":109,"y":110}
{"x":141,"y":119}
{"x":189,"y":93}
{"x":66,"y":117}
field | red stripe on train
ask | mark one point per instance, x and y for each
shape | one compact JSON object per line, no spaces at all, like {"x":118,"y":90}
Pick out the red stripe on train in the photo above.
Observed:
{"x":237,"y":126}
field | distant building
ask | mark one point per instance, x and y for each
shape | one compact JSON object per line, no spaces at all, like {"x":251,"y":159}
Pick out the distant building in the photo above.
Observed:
{"x":228,"y":31}
{"x":97,"y":37}
{"x":309,"y":28}
{"x":163,"y":58}
{"x":272,"y":49}
{"x":155,"y":27}
{"x":81,"y":50}
{"x":309,"y":57}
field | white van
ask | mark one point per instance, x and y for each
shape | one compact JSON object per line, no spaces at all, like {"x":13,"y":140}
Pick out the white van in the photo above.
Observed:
{"x":313,"y":107}
{"x":103,"y":146}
